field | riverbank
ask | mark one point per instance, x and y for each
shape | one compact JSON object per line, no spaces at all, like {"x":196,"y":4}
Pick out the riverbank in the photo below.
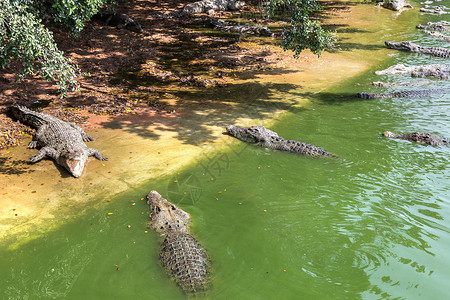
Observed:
{"x":170,"y":132}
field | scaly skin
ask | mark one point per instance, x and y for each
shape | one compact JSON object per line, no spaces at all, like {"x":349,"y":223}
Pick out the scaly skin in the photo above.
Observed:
{"x":266,"y":138}
{"x":420,"y":137}
{"x":411,"y":47}
{"x":62,"y":141}
{"x":119,"y":21}
{"x":181,"y":255}
{"x":440,"y":71}
{"x":395,"y":5}
{"x":204,"y":6}
{"x":403,"y":94}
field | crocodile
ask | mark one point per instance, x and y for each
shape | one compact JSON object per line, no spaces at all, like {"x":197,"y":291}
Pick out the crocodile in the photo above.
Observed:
{"x":395,"y":5}
{"x":60,"y":140}
{"x":205,"y":6}
{"x":181,"y":255}
{"x":420,"y":137}
{"x":402,"y":94}
{"x":119,"y":21}
{"x":263,"y":137}
{"x":438,"y":35}
{"x":253,"y":30}
{"x":440,"y":71}
{"x":436,"y":11}
{"x":440,"y":26}
{"x":406,"y":83}
{"x":411,"y":47}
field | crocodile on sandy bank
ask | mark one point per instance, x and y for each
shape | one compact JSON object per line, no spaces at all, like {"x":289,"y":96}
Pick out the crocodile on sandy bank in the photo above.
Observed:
{"x":119,"y":21}
{"x":263,"y":137}
{"x":402,"y":94}
{"x":411,"y":47}
{"x":440,"y":71}
{"x":395,"y":5}
{"x":181,"y":255}
{"x":62,"y":141}
{"x":205,"y":6}
{"x":420,"y":137}
{"x":242,"y":29}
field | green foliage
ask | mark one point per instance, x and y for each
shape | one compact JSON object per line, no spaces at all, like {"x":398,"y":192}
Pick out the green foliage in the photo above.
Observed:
{"x":23,"y":37}
{"x":301,"y":33}
{"x":70,"y":13}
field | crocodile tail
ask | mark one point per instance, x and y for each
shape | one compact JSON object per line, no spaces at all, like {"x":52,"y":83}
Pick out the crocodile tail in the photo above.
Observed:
{"x":27,"y":116}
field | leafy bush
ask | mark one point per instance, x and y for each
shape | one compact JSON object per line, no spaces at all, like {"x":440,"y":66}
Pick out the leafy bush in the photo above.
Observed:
{"x":24,"y":37}
{"x":301,"y":33}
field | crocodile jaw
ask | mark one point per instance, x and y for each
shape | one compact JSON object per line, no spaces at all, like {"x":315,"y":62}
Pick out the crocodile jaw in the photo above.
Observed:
{"x":388,"y":134}
{"x":241,"y":133}
{"x":75,"y":166}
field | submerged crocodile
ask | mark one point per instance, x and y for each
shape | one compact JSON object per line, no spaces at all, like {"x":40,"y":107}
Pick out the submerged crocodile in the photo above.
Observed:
{"x":263,"y":137}
{"x":394,"y":4}
{"x":439,"y":10}
{"x":411,"y":47}
{"x":62,"y":141}
{"x":119,"y":21}
{"x":440,"y":26}
{"x":402,"y":94}
{"x":205,"y":6}
{"x":438,"y":35}
{"x":420,"y":137}
{"x":406,"y":83}
{"x":440,"y":71}
{"x":181,"y":255}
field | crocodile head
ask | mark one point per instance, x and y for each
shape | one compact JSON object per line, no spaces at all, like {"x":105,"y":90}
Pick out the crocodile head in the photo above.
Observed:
{"x":73,"y":160}
{"x":404,"y":46}
{"x":135,"y":27}
{"x":388,"y":134}
{"x":252,"y":134}
{"x":165,"y":216}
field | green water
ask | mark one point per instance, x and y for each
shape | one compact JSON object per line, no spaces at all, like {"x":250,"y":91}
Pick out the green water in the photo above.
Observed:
{"x":372,"y":224}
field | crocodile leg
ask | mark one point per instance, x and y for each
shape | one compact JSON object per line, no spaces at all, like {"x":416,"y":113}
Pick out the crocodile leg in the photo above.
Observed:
{"x":86,"y":137}
{"x":96,"y":153}
{"x":45,"y":151}
{"x":33,"y":144}
{"x":34,"y":141}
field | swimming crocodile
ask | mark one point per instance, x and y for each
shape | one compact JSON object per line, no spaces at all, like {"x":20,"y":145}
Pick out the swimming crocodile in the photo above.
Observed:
{"x":394,"y":4}
{"x":263,"y":137}
{"x":420,"y":137}
{"x":406,"y":83}
{"x":62,"y":141}
{"x":119,"y":21}
{"x":440,"y":26}
{"x":438,"y":35}
{"x":411,"y":47}
{"x":402,"y":94}
{"x":439,"y":10}
{"x":181,"y":255}
{"x":440,"y":71}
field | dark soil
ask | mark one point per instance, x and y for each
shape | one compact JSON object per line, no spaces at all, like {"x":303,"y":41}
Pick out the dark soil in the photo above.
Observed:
{"x":125,"y":72}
